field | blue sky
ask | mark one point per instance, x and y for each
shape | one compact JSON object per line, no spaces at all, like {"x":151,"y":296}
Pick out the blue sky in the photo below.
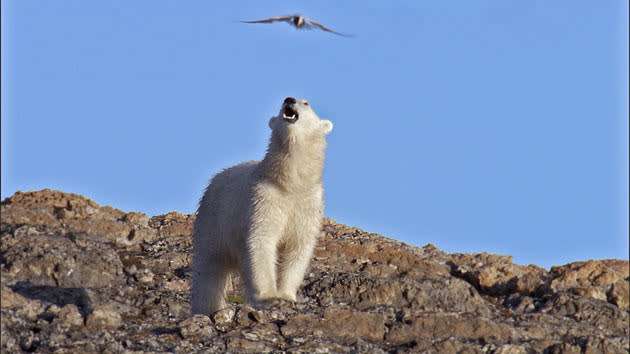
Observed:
{"x":498,"y":126}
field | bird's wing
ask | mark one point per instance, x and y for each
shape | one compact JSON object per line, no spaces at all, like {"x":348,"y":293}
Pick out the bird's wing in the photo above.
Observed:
{"x":271,"y":20}
{"x":315,"y":23}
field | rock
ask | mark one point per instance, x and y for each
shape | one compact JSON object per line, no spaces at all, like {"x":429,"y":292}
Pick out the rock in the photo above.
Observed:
{"x":144,"y":275}
{"x":197,"y":327}
{"x":594,"y":279}
{"x":597,"y":344}
{"x":78,"y":214}
{"x":58,"y":261}
{"x":320,"y":347}
{"x":451,"y":325}
{"x":52,"y":201}
{"x":10,"y":299}
{"x":564,"y":348}
{"x":245,"y":345}
{"x":342,"y":325}
{"x":518,"y":303}
{"x":448,"y":294}
{"x":268,"y":332}
{"x":510,"y":349}
{"x":177,"y":285}
{"x":78,"y":277}
{"x":17,"y":216}
{"x":619,"y":294}
{"x":140,"y":219}
{"x":69,"y":316}
{"x":224,"y":317}
{"x":173,"y":224}
{"x":497,"y":275}
{"x":104,"y":317}
{"x":27,"y":342}
{"x":28,"y":308}
{"x":609,"y":319}
{"x":246,"y":315}
{"x":117,"y":232}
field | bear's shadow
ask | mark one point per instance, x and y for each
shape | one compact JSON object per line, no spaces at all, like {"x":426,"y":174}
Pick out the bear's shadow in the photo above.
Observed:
{"x":56,"y":295}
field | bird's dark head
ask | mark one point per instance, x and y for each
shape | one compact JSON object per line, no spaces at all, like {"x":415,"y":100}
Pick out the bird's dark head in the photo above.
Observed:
{"x":298,"y":20}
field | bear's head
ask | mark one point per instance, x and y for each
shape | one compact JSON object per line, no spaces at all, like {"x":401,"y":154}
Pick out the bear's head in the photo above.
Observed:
{"x":296,"y":119}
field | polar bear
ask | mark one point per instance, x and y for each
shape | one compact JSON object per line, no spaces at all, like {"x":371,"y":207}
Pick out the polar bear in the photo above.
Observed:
{"x":262,"y":218}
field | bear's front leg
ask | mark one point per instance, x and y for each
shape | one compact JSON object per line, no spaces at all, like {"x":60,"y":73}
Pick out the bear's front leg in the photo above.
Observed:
{"x":294,"y":263}
{"x":259,"y":265}
{"x":210,"y":280}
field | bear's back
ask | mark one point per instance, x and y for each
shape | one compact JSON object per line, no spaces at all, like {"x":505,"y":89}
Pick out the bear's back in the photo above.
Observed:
{"x":228,"y":196}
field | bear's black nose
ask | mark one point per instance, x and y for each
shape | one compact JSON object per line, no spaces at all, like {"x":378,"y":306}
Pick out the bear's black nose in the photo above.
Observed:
{"x":289,"y":100}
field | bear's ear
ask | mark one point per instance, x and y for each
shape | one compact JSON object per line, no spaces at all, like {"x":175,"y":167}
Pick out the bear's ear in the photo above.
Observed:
{"x":327,"y":126}
{"x":272,"y":122}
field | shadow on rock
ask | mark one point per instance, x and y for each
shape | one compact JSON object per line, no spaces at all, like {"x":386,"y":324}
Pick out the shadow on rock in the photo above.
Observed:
{"x":56,"y":295}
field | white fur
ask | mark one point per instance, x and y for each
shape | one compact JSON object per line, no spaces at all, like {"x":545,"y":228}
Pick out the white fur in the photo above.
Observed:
{"x":263,"y":217}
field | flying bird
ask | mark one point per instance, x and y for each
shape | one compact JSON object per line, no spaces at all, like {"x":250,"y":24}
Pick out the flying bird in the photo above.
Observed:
{"x":299,"y":22}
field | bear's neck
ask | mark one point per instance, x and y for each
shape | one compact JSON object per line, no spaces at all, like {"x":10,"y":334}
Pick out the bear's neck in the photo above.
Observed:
{"x":295,"y":164}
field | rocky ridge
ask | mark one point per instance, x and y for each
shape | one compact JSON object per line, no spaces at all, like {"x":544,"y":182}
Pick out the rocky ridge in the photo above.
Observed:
{"x":76,"y":276}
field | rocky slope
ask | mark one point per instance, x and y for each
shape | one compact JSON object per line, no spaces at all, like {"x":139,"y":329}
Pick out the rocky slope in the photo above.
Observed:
{"x":77,"y":277}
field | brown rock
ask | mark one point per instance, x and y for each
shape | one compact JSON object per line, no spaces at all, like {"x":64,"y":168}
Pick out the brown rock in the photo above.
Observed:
{"x":497,"y":275}
{"x":301,"y":324}
{"x":343,"y":325}
{"x":79,"y":215}
{"x":243,"y":318}
{"x":58,"y":261}
{"x":62,"y":258}
{"x":451,"y":325}
{"x":52,"y":201}
{"x":442,"y":294}
{"x":139,"y":235}
{"x":173,"y":224}
{"x":563,"y":348}
{"x":29,"y":308}
{"x":245,"y":345}
{"x":511,"y":349}
{"x":10,"y":299}
{"x":592,"y":292}
{"x":117,"y":232}
{"x":595,"y":279}
{"x":69,"y":315}
{"x":197,"y":326}
{"x":451,"y":345}
{"x":607,"y":318}
{"x":17,"y":216}
{"x":267,"y":332}
{"x":177,"y":285}
{"x":224,"y":317}
{"x":527,"y":283}
{"x":595,"y":345}
{"x":348,"y":326}
{"x":619,"y":294}
{"x":144,"y":275}
{"x":104,"y":317}
{"x":320,"y":346}
{"x":140,"y":219}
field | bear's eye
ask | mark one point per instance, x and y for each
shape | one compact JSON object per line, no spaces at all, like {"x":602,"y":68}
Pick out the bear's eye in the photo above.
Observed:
{"x":306,"y":103}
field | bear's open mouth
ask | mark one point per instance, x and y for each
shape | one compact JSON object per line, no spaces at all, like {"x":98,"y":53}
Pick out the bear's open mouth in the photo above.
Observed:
{"x":289,"y":114}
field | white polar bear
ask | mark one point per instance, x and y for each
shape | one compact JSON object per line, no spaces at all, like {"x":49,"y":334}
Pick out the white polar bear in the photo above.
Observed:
{"x":263,"y":217}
